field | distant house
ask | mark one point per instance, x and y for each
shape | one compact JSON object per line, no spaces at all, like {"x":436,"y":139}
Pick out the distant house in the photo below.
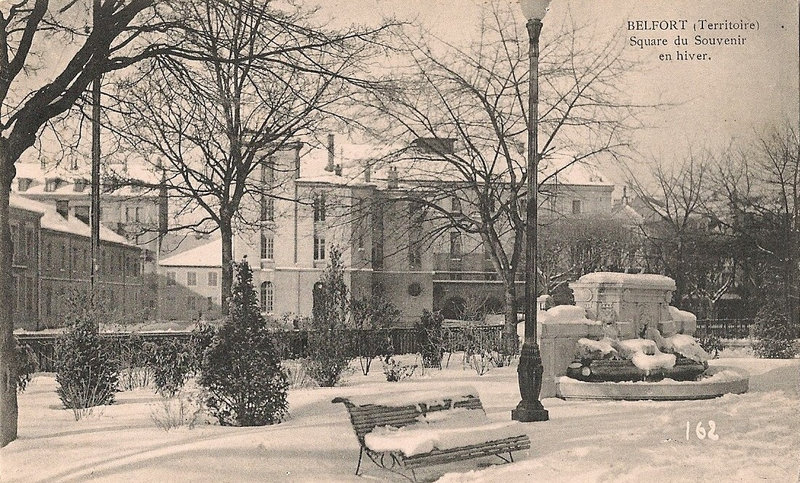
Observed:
{"x":52,"y":257}
{"x":190,"y":283}
{"x":346,"y":196}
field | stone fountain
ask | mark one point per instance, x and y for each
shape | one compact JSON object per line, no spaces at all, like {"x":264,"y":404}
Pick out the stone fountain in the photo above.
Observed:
{"x":623,"y":340}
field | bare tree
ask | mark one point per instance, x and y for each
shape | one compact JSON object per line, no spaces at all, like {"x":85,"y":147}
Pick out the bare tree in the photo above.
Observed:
{"x":674,"y":202}
{"x":759,"y":188}
{"x":106,"y":36}
{"x":468,"y":108}
{"x":260,"y":77}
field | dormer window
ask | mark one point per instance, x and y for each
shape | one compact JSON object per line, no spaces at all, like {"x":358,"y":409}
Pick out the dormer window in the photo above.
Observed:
{"x":24,"y":183}
{"x":80,"y":185}
{"x":51,"y":184}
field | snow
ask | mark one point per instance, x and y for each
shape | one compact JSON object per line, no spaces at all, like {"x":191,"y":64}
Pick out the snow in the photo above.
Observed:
{"x":206,"y":255}
{"x":597,"y":349}
{"x":758,"y":431}
{"x":648,"y":280}
{"x":415,"y":398}
{"x":52,"y":220}
{"x":649,"y":362}
{"x":441,"y":430}
{"x":627,"y":348}
{"x":681,"y":315}
{"x":567,"y":314}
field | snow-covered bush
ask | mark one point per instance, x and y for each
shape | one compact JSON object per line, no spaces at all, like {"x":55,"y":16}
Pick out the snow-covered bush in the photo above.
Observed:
{"x":372,"y":317}
{"x":27,"y":364}
{"x":297,"y":374}
{"x":134,"y":371}
{"x":328,"y":342}
{"x":241,"y":372}
{"x":774,"y":333}
{"x":171,"y":363}
{"x":86,"y":371}
{"x":395,"y":370}
{"x":179,"y":410}
{"x":430,"y":339}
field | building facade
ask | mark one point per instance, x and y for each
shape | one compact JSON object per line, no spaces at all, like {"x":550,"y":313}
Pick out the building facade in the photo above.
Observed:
{"x":324,"y":198}
{"x":52,"y":259}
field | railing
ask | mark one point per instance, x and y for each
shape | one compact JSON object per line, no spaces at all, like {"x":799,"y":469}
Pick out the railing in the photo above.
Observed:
{"x":292,"y":344}
{"x":725,"y":328}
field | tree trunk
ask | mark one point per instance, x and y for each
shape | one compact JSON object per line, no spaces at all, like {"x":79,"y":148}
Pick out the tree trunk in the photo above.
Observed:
{"x":510,"y":341}
{"x":227,"y":256}
{"x":8,"y":365}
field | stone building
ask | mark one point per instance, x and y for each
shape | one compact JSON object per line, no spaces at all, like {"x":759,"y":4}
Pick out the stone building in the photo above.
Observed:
{"x":345,"y":196}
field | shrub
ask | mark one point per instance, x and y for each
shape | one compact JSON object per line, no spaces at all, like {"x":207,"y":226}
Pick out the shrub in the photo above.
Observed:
{"x":171,"y":363}
{"x":240,"y":372}
{"x":176,"y":411}
{"x":372,"y":317}
{"x":711,"y":344}
{"x":297,"y":373}
{"x":397,"y":371}
{"x":86,"y":371}
{"x":774,"y":333}
{"x":430,"y":339}
{"x":134,"y":371}
{"x":27,"y":364}
{"x":328,"y":345}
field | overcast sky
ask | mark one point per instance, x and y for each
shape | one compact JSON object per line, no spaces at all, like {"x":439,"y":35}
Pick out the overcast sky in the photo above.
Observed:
{"x":740,"y":90}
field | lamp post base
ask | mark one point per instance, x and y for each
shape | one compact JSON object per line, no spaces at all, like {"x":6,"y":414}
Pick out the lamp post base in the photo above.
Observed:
{"x":529,"y":374}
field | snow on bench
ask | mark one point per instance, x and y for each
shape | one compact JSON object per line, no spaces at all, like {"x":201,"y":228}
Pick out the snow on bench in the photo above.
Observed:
{"x":400,"y":431}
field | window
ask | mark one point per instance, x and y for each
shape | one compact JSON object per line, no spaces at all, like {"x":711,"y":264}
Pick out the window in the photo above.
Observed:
{"x":319,"y":247}
{"x":267,"y":297}
{"x":319,"y":207}
{"x":138,"y":213}
{"x":455,"y":204}
{"x":576,"y":207}
{"x":212,"y":279}
{"x":415,"y":255}
{"x":190,"y":302}
{"x":191,"y":279}
{"x":455,"y":245}
{"x":128,"y":214}
{"x":267,"y":208}
{"x":31,"y":244}
{"x":267,"y":247}
{"x":64,"y":257}
{"x":16,"y":241}
{"x":170,"y":279}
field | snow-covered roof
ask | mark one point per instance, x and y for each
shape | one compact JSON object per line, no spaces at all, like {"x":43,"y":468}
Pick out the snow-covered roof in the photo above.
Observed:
{"x":648,"y":280}
{"x":39,"y":175}
{"x":52,"y":220}
{"x":415,"y":166}
{"x":206,"y":255}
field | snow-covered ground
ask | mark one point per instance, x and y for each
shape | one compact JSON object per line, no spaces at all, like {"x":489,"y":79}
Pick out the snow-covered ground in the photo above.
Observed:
{"x":758,"y":436}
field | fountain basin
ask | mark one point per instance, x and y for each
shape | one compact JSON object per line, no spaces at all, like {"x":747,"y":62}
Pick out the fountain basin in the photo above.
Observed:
{"x":717,"y":380}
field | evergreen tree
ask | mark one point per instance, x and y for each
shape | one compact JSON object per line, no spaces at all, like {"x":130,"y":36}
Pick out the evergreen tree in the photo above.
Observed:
{"x":86,"y":370}
{"x":241,"y":372}
{"x":329,"y":352}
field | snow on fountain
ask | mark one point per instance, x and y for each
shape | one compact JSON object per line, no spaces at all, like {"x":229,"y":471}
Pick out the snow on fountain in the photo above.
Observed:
{"x":629,"y":343}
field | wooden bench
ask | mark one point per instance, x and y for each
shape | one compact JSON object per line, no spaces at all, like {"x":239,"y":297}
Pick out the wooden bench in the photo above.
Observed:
{"x":366,"y":415}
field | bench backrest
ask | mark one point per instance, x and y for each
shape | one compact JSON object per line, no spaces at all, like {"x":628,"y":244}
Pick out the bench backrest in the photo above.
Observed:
{"x":365,"y":418}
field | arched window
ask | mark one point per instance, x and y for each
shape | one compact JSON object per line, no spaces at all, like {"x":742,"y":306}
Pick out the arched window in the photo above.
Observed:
{"x":267,"y":297}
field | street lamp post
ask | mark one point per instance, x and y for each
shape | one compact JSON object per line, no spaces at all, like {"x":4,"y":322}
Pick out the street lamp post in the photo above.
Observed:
{"x":530,"y":369}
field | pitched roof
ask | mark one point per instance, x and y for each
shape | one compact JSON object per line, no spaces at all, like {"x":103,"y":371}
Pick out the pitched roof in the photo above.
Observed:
{"x":207,"y":255}
{"x":52,"y":220}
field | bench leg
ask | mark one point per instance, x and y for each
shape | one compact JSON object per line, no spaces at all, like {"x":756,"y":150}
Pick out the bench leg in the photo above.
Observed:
{"x":360,"y":455}
{"x":511,"y":456}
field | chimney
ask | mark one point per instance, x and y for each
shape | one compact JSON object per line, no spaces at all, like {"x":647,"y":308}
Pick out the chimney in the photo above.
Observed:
{"x":79,"y":185}
{"x":330,"y":166}
{"x":62,"y":208}
{"x":392,"y":178}
{"x":367,"y":172}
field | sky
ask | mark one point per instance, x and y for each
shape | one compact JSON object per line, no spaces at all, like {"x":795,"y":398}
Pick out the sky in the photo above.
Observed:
{"x":732,"y":95}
